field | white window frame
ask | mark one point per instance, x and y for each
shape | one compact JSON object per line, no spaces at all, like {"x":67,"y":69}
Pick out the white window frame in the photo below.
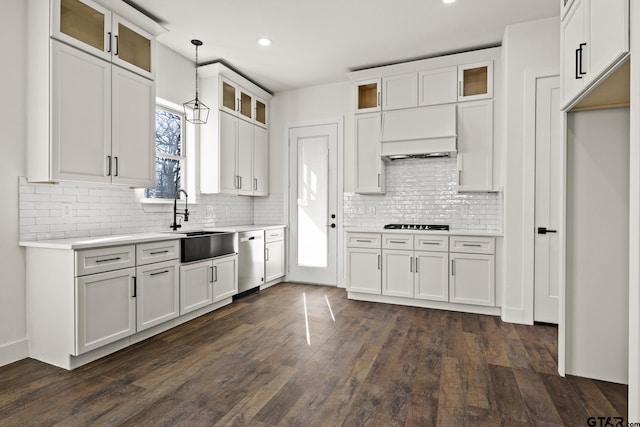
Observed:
{"x":186,"y":159}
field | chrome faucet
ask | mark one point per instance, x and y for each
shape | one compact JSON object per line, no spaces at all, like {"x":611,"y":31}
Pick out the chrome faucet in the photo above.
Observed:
{"x":176,"y":212}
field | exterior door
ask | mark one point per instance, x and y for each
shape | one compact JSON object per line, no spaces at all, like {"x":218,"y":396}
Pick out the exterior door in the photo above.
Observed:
{"x":547,"y":200}
{"x":313,"y":203}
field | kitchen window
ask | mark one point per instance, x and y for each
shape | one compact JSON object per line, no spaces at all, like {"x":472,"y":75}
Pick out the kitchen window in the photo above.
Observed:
{"x":171,"y":157}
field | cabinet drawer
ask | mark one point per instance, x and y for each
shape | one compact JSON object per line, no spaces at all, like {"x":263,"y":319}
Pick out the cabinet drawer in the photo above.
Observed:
{"x":363,"y":240}
{"x":397,"y":241}
{"x":91,"y":261}
{"x":167,"y":250}
{"x":274,"y":235}
{"x":472,"y":244}
{"x":432,"y":243}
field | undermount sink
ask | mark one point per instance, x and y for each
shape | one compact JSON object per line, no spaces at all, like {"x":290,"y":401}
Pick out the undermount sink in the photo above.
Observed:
{"x":200,"y":245}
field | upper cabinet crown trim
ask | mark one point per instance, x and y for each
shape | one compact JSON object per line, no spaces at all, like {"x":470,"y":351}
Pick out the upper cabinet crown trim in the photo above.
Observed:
{"x":219,"y":69}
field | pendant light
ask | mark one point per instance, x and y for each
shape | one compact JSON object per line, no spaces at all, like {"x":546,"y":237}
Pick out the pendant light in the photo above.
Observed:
{"x":195,"y":111}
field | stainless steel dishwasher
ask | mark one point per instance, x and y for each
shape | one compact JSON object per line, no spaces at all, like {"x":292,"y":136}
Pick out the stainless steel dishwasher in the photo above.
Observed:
{"x":250,"y":260}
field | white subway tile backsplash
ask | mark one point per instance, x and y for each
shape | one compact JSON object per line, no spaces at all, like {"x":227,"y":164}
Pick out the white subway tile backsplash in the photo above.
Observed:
{"x":424,"y":191}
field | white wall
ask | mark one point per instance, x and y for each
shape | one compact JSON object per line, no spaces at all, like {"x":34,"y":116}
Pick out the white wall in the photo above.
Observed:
{"x":528,"y":49}
{"x":13,"y":345}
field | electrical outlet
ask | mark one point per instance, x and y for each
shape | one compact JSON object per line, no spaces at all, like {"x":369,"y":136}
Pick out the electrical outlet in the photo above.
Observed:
{"x":67,"y":210}
{"x":371,"y":210}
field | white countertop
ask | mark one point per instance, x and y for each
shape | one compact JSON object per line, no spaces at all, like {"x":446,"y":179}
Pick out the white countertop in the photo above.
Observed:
{"x":445,"y":233}
{"x":101,"y":241}
{"x":247,"y":227}
{"x":133,"y":238}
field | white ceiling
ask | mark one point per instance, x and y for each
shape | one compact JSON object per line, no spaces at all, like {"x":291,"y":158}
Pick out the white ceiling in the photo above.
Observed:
{"x":319,"y":41}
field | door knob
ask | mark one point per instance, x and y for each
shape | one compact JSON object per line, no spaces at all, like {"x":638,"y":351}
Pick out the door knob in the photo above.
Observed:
{"x":543,"y":230}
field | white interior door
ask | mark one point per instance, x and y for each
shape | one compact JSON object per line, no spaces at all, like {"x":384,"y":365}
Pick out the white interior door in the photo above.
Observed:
{"x":547,"y":200}
{"x":313,"y":203}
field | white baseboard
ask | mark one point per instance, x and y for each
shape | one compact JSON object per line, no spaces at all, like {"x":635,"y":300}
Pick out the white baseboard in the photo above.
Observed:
{"x":516,"y":315}
{"x":14,"y":351}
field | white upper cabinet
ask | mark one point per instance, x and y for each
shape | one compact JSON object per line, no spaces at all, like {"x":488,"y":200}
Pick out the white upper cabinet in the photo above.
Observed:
{"x":234,"y":143}
{"x":594,"y":39}
{"x":367,"y":95}
{"x":475,"y":81}
{"x":438,"y":86}
{"x":475,"y":146}
{"x":574,"y":67}
{"x":369,"y":164}
{"x":96,"y":30}
{"x":400,"y":91}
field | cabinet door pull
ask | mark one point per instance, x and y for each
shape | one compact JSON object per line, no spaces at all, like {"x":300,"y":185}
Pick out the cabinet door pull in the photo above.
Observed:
{"x":453,"y":267}
{"x":215,"y":273}
{"x":159,"y":273}
{"x":580,"y":72}
{"x":379,"y":261}
{"x":109,"y":35}
{"x":266,"y":254}
{"x":379,"y":96}
{"x":460,"y":88}
{"x":108,"y":259}
{"x":116,"y":160}
{"x":210,"y":274}
{"x":430,"y":243}
{"x":240,"y":182}
{"x":238,"y":101}
{"x":411,"y":264}
{"x":158,"y":252}
{"x":459,"y":177}
{"x":417,"y":265}
{"x":135,"y":287}
{"x":472,"y":245}
{"x":397,"y":241}
{"x":117,"y":46}
{"x":578,"y":76}
{"x":363,"y":241}
{"x":108,"y":165}
{"x":255,"y":184}
{"x":379,"y":186}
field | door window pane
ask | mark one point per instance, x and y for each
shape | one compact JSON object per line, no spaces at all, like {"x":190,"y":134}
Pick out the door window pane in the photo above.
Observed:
{"x":313,"y":201}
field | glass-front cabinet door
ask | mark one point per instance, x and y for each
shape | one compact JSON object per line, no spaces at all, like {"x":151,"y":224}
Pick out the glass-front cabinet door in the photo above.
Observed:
{"x":260,"y":112}
{"x":228,"y":99}
{"x":246,"y":104}
{"x":368,"y":96}
{"x":132,"y":47}
{"x":475,"y":81}
{"x":83,"y":24}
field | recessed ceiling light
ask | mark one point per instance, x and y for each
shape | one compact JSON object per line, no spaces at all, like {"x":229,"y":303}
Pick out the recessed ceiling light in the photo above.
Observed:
{"x":264,"y":41}
{"x":448,"y":1}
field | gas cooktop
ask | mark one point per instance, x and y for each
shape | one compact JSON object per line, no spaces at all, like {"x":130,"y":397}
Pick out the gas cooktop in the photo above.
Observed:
{"x":443,"y":227}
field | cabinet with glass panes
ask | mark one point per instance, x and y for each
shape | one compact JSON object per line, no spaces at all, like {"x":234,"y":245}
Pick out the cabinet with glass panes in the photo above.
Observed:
{"x":475,"y":81}
{"x":238,"y":101}
{"x":95,"y":29}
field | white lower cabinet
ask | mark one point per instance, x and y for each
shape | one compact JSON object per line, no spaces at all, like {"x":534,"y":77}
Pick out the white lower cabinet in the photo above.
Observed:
{"x":274,"y":260}
{"x":205,"y":282}
{"x":397,"y":273}
{"x":224,"y":282}
{"x":432,"y":276}
{"x":157,"y":293}
{"x":195,"y":286}
{"x":364,"y":270}
{"x":472,"y":274}
{"x":449,"y":269}
{"x":105,"y":308}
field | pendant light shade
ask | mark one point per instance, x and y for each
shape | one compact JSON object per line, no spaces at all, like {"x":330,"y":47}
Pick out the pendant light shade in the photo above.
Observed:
{"x":196,"y":111}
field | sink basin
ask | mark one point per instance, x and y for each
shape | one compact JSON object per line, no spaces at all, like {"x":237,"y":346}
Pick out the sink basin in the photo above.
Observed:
{"x":200,"y":245}
{"x":202,"y":233}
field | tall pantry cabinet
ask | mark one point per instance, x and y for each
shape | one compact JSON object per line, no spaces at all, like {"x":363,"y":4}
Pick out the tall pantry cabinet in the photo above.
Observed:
{"x":90,"y":92}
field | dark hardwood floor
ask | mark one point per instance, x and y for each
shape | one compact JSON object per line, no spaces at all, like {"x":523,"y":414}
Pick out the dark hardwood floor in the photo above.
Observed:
{"x":376,"y":364}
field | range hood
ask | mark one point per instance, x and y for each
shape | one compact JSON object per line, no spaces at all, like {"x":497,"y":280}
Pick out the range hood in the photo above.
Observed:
{"x":422,"y":132}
